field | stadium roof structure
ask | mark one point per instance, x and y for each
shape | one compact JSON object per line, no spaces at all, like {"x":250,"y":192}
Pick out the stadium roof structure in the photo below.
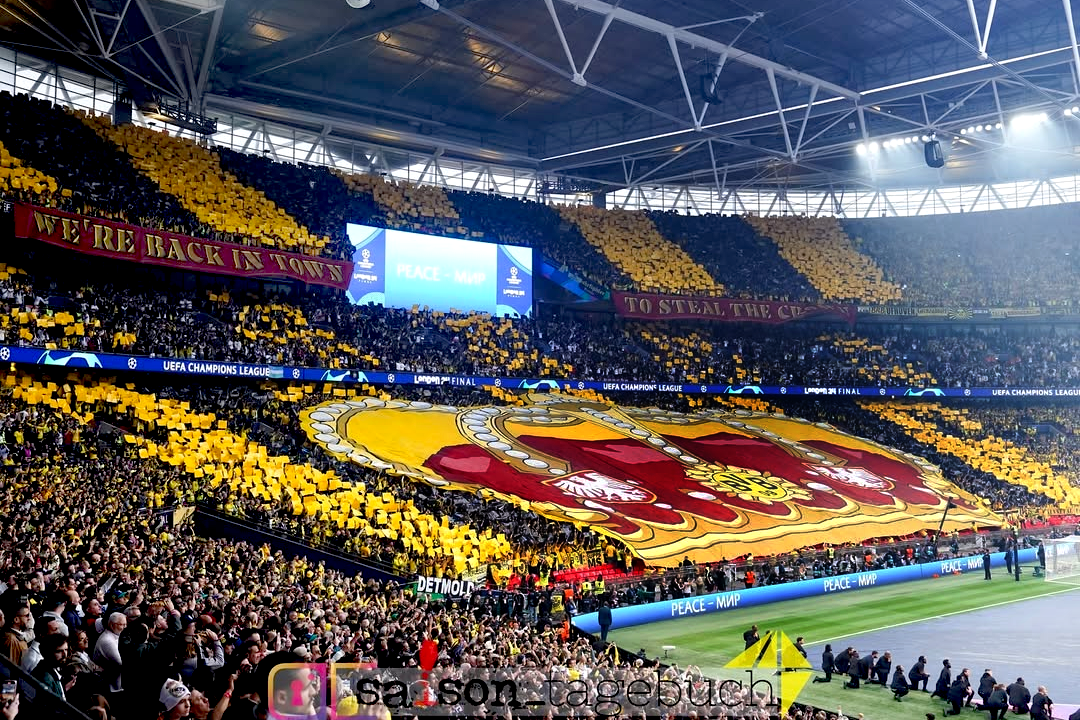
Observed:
{"x":599,"y":95}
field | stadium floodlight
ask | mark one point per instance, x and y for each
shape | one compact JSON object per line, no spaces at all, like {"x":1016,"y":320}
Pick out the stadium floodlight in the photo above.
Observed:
{"x":1028,"y":120}
{"x":971,"y":130}
{"x":357,"y":4}
{"x":997,"y":126}
{"x":860,"y":149}
{"x":963,"y":131}
{"x":925,"y":138}
{"x":873,"y":147}
{"x":1075,"y":110}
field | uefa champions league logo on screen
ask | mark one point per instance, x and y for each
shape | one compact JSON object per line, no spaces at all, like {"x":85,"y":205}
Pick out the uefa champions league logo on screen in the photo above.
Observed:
{"x":513,"y":279}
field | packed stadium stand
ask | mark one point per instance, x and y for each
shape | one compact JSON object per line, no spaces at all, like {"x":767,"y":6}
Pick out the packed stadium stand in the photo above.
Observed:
{"x":984,"y":258}
{"x":183,"y":532}
{"x":733,"y":253}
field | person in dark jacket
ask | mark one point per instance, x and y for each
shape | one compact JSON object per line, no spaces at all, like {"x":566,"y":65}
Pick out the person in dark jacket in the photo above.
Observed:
{"x":965,"y":678}
{"x":843,"y":661}
{"x":853,"y":670}
{"x":750,"y":636}
{"x":957,"y":693}
{"x":826,"y":665}
{"x":867,"y":665}
{"x":899,"y":685}
{"x":944,"y":679}
{"x":54,"y":654}
{"x":1019,"y":697}
{"x":986,"y":563}
{"x":997,"y":702}
{"x":603,"y":618}
{"x":918,"y":674}
{"x":986,"y":685}
{"x":881,"y":670}
{"x":1042,"y":707}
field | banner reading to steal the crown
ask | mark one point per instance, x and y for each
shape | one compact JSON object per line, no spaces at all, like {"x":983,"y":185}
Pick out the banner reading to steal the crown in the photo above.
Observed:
{"x":679,"y":307}
{"x":106,"y":238}
{"x":709,"y":485}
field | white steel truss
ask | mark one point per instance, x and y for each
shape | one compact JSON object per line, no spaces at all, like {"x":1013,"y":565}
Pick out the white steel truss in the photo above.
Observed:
{"x":21,"y":73}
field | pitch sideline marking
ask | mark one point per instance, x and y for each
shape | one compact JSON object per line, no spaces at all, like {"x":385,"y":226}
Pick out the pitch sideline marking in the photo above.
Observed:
{"x":944,"y":615}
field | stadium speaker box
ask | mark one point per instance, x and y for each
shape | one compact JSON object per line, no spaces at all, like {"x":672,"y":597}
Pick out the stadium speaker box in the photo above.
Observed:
{"x":933,"y":154}
{"x":122,"y":112}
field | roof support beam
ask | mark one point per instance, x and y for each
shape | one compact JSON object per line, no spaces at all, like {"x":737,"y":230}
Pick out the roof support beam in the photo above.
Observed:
{"x":163,"y":44}
{"x":116,"y":30}
{"x":209,"y":49}
{"x":644,"y":22}
{"x":551,"y":67}
{"x":661,"y":166}
{"x":780,"y":109}
{"x":682,"y":78}
{"x":982,"y":36}
{"x":576,"y":77}
{"x":805,"y":121}
{"x":596,"y":45}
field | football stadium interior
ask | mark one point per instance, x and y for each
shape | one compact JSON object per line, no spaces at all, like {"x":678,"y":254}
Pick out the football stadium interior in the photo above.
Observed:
{"x":666,"y":359}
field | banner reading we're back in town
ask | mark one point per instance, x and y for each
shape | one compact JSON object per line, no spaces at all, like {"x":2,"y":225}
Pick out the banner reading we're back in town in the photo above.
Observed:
{"x":106,"y":238}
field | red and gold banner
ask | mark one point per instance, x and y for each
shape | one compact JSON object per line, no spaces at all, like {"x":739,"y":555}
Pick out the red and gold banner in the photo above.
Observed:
{"x":709,"y":486}
{"x":679,"y":307}
{"x":106,"y":238}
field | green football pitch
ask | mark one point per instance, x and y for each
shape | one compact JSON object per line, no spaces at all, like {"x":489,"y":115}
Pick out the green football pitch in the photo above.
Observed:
{"x":710,"y":641}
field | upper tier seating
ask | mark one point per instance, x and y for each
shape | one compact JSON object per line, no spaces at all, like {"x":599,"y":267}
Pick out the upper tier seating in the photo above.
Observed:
{"x":747,"y":264}
{"x":632,"y":243}
{"x":819,"y":249}
{"x":194,"y":175}
{"x":1010,"y":258}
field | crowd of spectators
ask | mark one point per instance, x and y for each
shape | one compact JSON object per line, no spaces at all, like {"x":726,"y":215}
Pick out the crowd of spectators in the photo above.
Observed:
{"x":98,"y":179}
{"x":57,"y":157}
{"x":44,"y":300}
{"x":734,"y":254}
{"x":123,"y":601}
{"x":144,"y":608}
{"x":821,"y":251}
{"x":631,"y":242}
{"x":1005,"y":258}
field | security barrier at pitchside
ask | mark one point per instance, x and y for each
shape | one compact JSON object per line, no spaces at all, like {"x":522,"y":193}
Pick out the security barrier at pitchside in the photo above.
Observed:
{"x":671,"y":485}
{"x":734,"y":599}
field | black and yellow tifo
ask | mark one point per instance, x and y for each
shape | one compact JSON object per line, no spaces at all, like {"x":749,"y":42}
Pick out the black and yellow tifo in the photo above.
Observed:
{"x":778,"y":658}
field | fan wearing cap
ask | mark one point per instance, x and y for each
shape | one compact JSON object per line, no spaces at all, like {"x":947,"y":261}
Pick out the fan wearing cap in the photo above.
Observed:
{"x":177,"y":700}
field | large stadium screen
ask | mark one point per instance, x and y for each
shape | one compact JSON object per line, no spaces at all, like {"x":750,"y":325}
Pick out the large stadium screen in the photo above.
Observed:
{"x":399,"y":269}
